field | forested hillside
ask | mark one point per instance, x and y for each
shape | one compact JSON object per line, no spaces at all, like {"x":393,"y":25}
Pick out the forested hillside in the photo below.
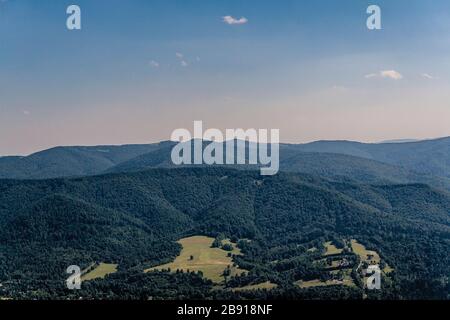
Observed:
{"x":425,"y":161}
{"x":134,"y":220}
{"x":328,"y":165}
{"x":69,"y":161}
{"x":427,"y":156}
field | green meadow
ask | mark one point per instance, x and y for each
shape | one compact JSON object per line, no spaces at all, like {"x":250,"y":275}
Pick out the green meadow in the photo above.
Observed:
{"x":197,"y":255}
{"x":100,"y":271}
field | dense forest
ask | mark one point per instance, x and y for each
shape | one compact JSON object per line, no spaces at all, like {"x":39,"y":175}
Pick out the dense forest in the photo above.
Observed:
{"x":134,"y":220}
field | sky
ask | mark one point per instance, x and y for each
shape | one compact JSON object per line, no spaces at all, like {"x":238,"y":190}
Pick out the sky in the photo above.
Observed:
{"x":139,"y":69}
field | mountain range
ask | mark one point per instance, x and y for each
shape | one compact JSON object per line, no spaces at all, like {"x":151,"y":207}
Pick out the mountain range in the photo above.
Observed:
{"x":128,"y":205}
{"x":425,"y":161}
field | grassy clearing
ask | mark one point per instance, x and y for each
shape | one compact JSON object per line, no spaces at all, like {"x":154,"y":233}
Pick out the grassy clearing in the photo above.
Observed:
{"x":343,"y":272}
{"x":347,"y":281}
{"x":341,"y":277}
{"x":197,"y":255}
{"x":369,"y":256}
{"x":99,"y":272}
{"x":265,"y":285}
{"x":331,"y":248}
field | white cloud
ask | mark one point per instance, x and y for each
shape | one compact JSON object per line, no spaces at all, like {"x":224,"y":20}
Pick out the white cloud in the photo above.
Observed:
{"x":428,"y":76}
{"x":230,"y":20}
{"x":153,"y":64}
{"x":390,"y":74}
{"x":26,"y":112}
{"x":181,"y":59}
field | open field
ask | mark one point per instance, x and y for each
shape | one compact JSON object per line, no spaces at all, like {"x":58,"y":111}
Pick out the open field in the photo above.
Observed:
{"x":347,"y":281}
{"x":265,"y":285}
{"x":101,"y":271}
{"x":371,"y":257}
{"x":331,"y":248}
{"x":197,"y":255}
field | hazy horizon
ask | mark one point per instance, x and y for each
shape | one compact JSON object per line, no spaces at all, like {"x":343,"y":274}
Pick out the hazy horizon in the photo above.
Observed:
{"x":137,"y":70}
{"x":398,"y":141}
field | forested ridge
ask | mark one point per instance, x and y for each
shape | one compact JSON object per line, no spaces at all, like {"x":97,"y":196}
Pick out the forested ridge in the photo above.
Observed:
{"x":134,"y":220}
{"x":426,"y":161}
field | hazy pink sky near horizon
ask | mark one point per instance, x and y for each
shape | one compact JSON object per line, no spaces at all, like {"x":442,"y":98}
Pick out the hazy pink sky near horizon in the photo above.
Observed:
{"x":386,"y":111}
{"x":383,"y":112}
{"x":317,"y":116}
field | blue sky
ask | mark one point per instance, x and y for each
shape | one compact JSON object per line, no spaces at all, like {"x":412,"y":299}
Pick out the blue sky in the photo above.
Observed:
{"x":140,"y":69}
